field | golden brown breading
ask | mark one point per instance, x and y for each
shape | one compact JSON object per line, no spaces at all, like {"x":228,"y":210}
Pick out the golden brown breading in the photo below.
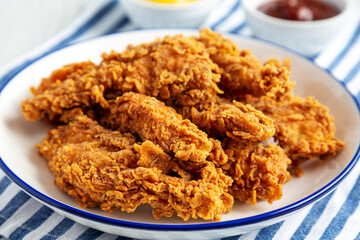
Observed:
{"x":242,"y":73}
{"x":304,"y":127}
{"x":73,"y":85}
{"x":151,"y":120}
{"x":83,"y":129}
{"x":267,"y":80}
{"x":221,"y":118}
{"x":258,"y":171}
{"x":222,"y":51}
{"x":102,"y":167}
{"x":124,"y":144}
{"x":176,"y":70}
{"x":217,"y":154}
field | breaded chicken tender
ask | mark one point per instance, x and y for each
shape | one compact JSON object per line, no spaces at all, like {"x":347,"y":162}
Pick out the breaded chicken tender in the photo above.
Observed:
{"x":73,"y":85}
{"x":176,"y":70}
{"x":221,"y":118}
{"x":183,"y":124}
{"x":242,"y":73}
{"x":304,"y":127}
{"x":105,"y":168}
{"x":259,"y":172}
{"x":217,"y":154}
{"x":152,"y":120}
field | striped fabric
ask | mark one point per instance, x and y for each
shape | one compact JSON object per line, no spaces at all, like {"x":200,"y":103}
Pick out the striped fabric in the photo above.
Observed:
{"x":337,"y":216}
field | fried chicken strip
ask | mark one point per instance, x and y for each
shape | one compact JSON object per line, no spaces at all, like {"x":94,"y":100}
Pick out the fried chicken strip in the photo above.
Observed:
{"x":217,"y":154}
{"x":304,"y":127}
{"x":100,"y":167}
{"x":242,"y":73}
{"x":220,"y":118}
{"x":176,"y":70}
{"x":152,"y":120}
{"x":74,"y":85}
{"x":258,"y":171}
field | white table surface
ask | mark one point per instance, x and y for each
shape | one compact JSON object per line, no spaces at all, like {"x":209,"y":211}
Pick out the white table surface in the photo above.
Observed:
{"x":25,"y":24}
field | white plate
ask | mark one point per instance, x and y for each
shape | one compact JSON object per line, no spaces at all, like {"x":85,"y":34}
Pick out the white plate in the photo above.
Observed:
{"x":21,"y":163}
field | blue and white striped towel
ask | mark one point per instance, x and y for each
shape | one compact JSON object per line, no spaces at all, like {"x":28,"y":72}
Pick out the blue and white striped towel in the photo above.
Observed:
{"x":337,"y":216}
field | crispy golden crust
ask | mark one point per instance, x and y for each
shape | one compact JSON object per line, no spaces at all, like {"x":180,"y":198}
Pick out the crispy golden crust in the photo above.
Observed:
{"x":268,"y":80}
{"x":242,"y":73}
{"x":105,"y":168}
{"x":221,"y":118}
{"x":124,"y":144}
{"x":176,"y":70}
{"x":258,"y":171}
{"x":74,"y":85}
{"x":304,"y":127}
{"x":217,"y":154}
{"x":151,"y":120}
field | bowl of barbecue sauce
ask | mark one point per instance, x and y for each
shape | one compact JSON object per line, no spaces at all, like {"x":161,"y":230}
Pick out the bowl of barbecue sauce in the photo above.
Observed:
{"x":305,"y":26}
{"x":300,"y":10}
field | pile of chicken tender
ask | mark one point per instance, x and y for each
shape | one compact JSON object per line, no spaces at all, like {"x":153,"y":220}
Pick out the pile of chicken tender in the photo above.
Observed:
{"x":185,"y":124}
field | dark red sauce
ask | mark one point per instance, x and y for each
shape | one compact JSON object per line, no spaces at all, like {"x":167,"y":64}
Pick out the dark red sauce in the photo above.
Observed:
{"x":299,"y":10}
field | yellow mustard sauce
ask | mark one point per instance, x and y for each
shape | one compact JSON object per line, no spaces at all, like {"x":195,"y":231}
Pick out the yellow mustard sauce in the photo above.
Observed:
{"x":171,"y":1}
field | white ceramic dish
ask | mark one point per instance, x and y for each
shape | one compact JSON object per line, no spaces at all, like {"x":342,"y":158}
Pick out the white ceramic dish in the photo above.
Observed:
{"x":184,"y":14}
{"x":21,"y":163}
{"x":306,"y":37}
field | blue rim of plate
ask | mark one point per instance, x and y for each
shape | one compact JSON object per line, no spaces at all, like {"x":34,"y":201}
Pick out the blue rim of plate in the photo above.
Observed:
{"x":278,"y":213}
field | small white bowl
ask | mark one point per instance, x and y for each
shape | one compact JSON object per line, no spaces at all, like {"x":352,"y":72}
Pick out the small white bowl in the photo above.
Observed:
{"x":305,"y":37}
{"x":148,"y":14}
